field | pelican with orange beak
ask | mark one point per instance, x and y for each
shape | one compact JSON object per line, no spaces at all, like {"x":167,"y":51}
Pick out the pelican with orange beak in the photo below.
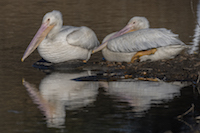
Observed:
{"x":57,"y":43}
{"x":137,"y":41}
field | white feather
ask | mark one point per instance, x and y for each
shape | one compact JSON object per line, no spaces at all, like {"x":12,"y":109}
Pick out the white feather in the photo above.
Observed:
{"x":82,"y":37}
{"x":124,"y":47}
{"x":143,"y":39}
{"x":65,"y":43}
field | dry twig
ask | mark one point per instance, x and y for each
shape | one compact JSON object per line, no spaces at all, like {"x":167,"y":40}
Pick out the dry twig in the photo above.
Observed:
{"x":188,"y":111}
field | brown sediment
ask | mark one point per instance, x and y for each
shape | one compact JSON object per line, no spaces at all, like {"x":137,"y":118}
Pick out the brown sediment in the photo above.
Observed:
{"x":181,"y":68}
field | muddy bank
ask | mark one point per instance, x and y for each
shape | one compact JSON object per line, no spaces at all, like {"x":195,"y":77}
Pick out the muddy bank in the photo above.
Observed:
{"x":182,"y":68}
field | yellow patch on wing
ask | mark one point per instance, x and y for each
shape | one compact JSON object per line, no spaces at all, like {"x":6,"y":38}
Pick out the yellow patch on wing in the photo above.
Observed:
{"x":142,"y":53}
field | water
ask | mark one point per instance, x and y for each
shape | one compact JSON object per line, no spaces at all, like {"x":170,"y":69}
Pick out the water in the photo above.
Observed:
{"x":120,"y":106}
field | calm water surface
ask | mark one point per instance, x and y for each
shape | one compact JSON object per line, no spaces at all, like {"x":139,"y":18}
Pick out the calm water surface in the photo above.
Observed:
{"x":48,"y":103}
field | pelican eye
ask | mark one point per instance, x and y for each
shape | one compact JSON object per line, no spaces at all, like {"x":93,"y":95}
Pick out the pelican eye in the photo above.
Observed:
{"x":48,"y":19}
{"x":133,"y":22}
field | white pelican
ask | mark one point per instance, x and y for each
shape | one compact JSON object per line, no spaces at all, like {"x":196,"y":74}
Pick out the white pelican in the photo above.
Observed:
{"x":137,"y":41}
{"x":57,"y":43}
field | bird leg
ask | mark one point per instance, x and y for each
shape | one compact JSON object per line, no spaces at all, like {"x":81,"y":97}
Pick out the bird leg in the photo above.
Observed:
{"x":141,"y":53}
{"x":84,"y":61}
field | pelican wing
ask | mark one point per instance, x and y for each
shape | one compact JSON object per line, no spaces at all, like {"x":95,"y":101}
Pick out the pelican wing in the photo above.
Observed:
{"x":65,"y":28}
{"x":143,"y":40}
{"x":82,"y":37}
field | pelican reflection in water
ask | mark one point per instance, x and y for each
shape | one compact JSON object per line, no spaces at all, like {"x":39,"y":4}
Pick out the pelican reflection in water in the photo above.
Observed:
{"x":141,"y":95}
{"x":137,"y":41}
{"x":58,"y":93}
{"x":57,"y":43}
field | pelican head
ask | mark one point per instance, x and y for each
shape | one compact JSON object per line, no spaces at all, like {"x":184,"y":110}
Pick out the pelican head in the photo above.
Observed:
{"x":51,"y":24}
{"x":135,"y":23}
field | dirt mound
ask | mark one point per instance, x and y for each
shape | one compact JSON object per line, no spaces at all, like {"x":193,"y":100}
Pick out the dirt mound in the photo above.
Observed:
{"x":181,"y":68}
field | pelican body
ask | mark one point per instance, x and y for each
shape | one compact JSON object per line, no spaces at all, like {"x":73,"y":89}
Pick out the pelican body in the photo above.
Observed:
{"x":57,"y":43}
{"x":137,"y":41}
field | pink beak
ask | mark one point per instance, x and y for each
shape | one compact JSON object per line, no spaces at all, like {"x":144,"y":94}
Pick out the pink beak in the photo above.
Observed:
{"x":125,"y":30}
{"x":38,"y":38}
